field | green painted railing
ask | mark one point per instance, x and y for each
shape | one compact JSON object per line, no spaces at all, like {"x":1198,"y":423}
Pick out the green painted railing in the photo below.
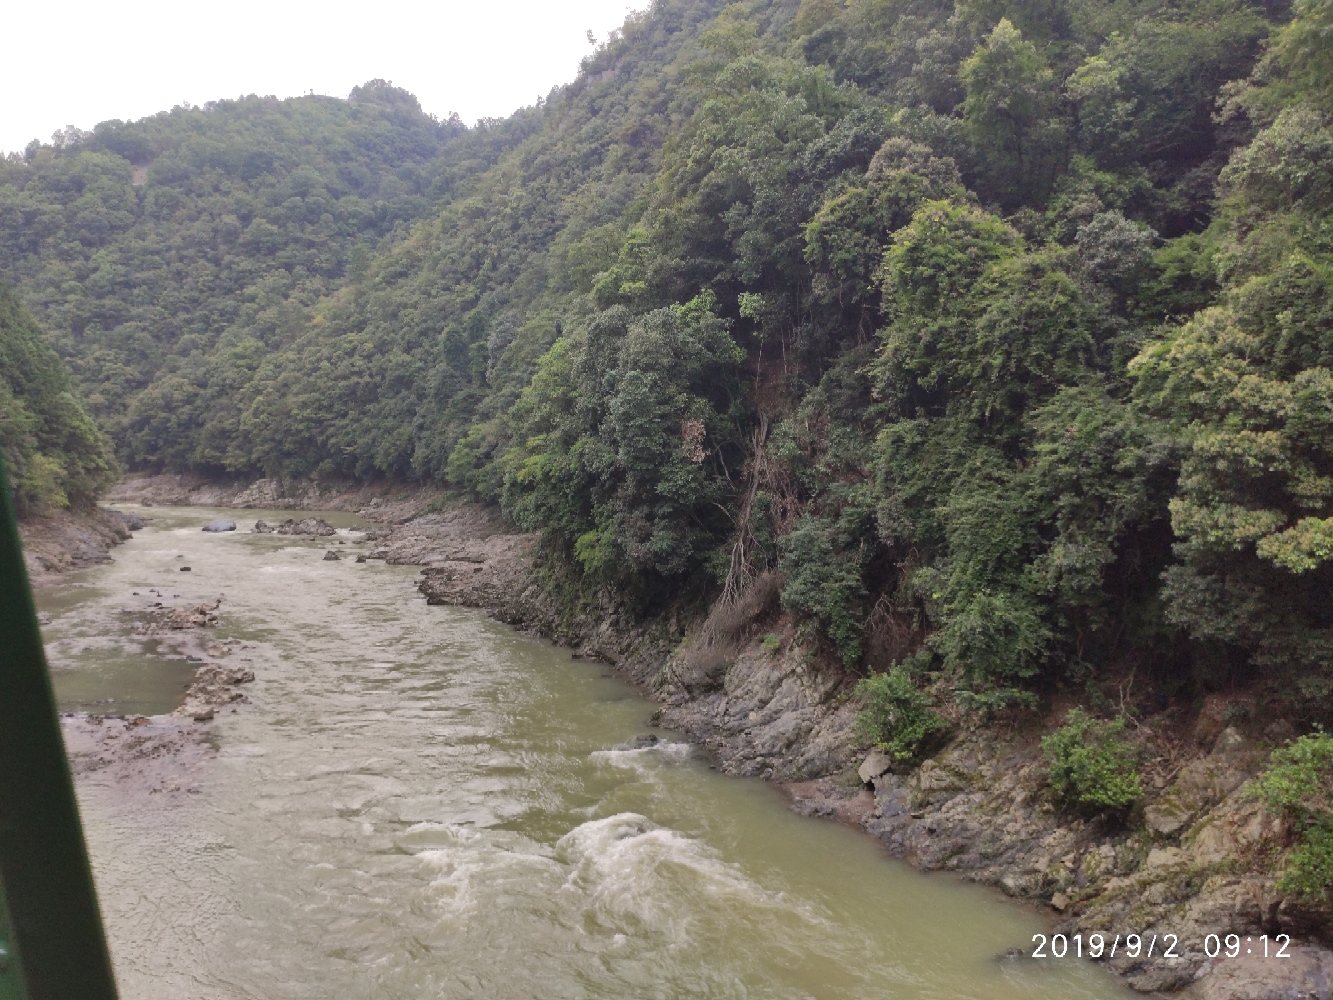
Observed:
{"x":53,"y":945}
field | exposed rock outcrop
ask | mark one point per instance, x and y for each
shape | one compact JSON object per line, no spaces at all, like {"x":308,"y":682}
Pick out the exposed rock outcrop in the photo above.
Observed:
{"x":315,"y":527}
{"x":214,"y":685}
{"x":159,"y":618}
{"x":69,"y":540}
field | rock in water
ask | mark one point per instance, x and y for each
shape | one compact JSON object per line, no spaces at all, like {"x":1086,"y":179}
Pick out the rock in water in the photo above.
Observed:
{"x":132,"y":522}
{"x":262,"y":528}
{"x":307,"y":526}
{"x":331,"y":556}
{"x":221,"y":524}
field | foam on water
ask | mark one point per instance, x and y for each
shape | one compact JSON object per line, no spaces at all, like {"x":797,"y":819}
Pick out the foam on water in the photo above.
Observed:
{"x":635,"y":878}
{"x":663,"y":752}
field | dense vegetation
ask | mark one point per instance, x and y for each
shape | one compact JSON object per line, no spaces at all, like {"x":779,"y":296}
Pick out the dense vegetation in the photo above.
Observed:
{"x":998,"y":331}
{"x":54,"y":453}
{"x":1296,"y":786}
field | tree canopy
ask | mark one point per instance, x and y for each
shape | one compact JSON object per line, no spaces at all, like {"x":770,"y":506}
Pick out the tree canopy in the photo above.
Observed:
{"x":55,"y":455}
{"x":997,"y":329}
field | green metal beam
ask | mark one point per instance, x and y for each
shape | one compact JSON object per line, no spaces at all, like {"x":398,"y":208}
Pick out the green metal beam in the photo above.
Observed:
{"x":56,"y":927}
{"x":11,"y":976}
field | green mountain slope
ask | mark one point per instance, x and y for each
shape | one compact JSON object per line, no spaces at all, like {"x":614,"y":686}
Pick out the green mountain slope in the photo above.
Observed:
{"x":150,"y":247}
{"x":56,"y":456}
{"x":992,"y":331}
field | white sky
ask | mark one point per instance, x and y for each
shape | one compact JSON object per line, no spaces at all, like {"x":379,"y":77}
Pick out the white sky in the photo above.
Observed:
{"x":80,"y":63}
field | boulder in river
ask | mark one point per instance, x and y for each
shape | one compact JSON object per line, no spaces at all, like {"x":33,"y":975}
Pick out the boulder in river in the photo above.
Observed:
{"x":132,"y":522}
{"x":307,"y":526}
{"x":221,"y":524}
{"x":331,"y":556}
{"x":160,"y":618}
{"x":262,"y":528}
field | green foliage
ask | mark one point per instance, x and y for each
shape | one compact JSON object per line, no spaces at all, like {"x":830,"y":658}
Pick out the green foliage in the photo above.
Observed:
{"x":1091,"y":766}
{"x":1299,"y":779}
{"x":1245,"y":386}
{"x":1298,"y":784}
{"x":772,"y":643}
{"x":624,"y":443}
{"x":1011,"y":97}
{"x":54,"y":452}
{"x":975,"y":322}
{"x":168,"y":257}
{"x":895,"y":715}
{"x":822,"y":584}
{"x":1309,"y":865}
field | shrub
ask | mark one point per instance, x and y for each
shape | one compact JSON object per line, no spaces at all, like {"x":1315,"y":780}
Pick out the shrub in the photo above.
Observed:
{"x":1092,"y":767}
{"x":822,"y":564}
{"x":772,"y":643}
{"x":895,"y":715}
{"x":1309,"y":870}
{"x":1297,"y":784}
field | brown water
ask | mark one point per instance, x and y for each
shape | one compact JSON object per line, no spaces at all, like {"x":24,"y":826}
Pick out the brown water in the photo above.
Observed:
{"x":422,"y":803}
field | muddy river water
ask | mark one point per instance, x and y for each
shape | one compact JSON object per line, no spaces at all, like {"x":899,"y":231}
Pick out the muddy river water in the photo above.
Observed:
{"x":419,"y":802}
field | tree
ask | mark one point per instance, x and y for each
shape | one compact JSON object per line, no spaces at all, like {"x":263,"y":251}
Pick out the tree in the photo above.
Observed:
{"x":1013,"y":118}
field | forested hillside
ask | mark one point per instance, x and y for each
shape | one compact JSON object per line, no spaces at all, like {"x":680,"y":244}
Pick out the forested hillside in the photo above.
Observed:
{"x":54,"y":453}
{"x":169,"y":256}
{"x":995,"y":335}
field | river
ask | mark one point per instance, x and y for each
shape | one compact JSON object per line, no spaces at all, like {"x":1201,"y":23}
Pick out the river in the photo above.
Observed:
{"x":419,"y":802}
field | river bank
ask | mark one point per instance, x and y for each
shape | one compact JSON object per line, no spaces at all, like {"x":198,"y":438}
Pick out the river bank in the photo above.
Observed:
{"x":415,"y":793}
{"x":64,"y":541}
{"x":1196,"y":861}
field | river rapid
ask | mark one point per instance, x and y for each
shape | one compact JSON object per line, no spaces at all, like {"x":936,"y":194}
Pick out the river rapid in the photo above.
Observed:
{"x":419,"y":802}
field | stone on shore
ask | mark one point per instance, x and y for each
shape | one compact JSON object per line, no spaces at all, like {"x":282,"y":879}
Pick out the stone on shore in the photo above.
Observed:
{"x":133,"y":522}
{"x":331,"y":556}
{"x":221,"y":524}
{"x":876,"y":763}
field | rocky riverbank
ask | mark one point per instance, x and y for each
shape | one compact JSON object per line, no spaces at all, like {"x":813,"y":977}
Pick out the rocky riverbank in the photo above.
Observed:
{"x":64,"y":541}
{"x":163,"y":754}
{"x":390,"y":503}
{"x":1196,"y":859}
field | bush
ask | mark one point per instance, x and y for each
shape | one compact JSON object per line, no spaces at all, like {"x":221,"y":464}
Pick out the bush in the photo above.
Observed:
{"x":895,"y":715}
{"x":822,"y":565}
{"x":1309,"y":870}
{"x":1093,"y":768}
{"x":1297,"y":784}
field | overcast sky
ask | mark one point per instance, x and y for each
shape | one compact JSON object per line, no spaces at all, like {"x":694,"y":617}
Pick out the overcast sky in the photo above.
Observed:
{"x":80,"y":63}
